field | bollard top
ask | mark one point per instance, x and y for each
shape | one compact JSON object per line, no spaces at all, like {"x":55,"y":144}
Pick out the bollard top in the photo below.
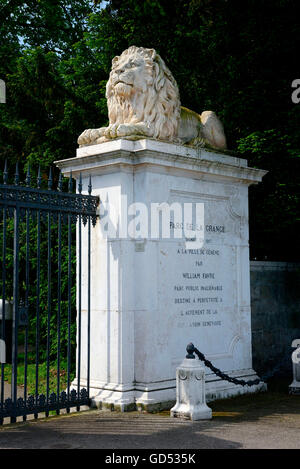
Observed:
{"x":190,"y":350}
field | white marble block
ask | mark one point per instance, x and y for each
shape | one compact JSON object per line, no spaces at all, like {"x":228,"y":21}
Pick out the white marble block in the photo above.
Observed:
{"x":152,"y":295}
{"x":190,"y":392}
{"x":295,"y":386}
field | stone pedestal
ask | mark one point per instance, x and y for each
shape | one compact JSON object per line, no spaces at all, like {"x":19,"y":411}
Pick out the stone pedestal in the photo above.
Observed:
{"x":190,"y":392}
{"x":152,"y":294}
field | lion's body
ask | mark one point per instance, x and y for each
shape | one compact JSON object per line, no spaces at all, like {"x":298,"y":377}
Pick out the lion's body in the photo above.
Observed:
{"x":190,"y":127}
{"x":143,"y":101}
{"x":201,"y":130}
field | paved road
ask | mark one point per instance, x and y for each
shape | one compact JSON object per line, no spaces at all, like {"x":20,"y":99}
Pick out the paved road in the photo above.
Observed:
{"x":238,"y":423}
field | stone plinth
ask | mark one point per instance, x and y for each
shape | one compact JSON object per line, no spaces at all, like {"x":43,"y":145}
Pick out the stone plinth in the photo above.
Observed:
{"x":153,"y":295}
{"x":190,"y":392}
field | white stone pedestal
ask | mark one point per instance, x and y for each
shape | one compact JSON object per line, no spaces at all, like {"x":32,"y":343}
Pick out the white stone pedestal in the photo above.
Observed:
{"x":190,"y":392}
{"x":153,"y":295}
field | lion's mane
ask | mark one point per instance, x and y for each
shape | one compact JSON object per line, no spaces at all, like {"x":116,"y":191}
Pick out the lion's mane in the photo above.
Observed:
{"x":158,"y":107}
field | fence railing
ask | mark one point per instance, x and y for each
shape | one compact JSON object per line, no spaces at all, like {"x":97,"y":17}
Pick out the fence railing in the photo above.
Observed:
{"x":38,"y":282}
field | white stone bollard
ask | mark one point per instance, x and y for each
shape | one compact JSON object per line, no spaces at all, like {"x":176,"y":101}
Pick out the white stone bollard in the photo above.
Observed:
{"x":295,"y":386}
{"x":190,"y":391}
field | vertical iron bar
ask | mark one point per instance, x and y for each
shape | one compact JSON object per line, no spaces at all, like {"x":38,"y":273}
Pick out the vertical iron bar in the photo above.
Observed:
{"x":89,"y":307}
{"x":3,"y":304}
{"x":28,"y":177}
{"x":79,"y":295}
{"x":89,"y":297}
{"x":69,"y":299}
{"x":49,"y":313}
{"x":14,"y":372}
{"x":17,"y":174}
{"x":58,"y":311}
{"x":69,"y":312}
{"x":79,"y":313}
{"x":5,"y":173}
{"x":79,"y":309}
{"x":27,"y":306}
{"x":37,"y":343}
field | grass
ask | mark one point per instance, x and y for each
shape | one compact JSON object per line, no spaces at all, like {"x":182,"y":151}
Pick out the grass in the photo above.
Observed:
{"x":42,"y":374}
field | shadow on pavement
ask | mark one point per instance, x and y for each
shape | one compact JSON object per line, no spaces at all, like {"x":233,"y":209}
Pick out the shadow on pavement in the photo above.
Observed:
{"x":267,"y":420}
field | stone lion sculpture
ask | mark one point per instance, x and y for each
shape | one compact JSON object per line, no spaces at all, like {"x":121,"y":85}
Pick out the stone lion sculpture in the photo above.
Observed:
{"x":143,"y":101}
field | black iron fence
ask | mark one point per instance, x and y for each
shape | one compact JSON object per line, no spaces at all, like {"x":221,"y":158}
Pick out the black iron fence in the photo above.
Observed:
{"x":39,"y":322}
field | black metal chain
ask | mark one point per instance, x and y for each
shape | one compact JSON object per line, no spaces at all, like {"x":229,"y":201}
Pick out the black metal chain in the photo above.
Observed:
{"x":191,"y":349}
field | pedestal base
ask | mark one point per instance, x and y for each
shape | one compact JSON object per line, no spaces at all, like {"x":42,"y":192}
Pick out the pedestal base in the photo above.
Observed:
{"x":155,"y":397}
{"x":201,"y":412}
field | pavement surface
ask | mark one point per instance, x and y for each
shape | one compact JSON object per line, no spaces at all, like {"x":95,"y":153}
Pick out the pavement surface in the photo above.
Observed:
{"x":264,"y":421}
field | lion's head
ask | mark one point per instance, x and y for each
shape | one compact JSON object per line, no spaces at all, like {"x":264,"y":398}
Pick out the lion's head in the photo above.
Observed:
{"x":141,"y":88}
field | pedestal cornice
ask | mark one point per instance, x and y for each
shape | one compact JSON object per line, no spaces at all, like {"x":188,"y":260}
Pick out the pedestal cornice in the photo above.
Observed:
{"x":122,"y":154}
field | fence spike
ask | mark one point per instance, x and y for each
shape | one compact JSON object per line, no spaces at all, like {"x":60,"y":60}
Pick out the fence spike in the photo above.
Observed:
{"x":17,"y":174}
{"x":59,"y":185}
{"x":80,"y":184}
{"x":39,"y":179}
{"x":90,"y":185}
{"x":70,"y":182}
{"x":5,"y":173}
{"x":28,"y":177}
{"x":50,"y":179}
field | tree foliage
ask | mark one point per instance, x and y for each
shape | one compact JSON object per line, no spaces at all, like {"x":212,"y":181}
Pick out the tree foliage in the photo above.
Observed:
{"x":238,"y":59}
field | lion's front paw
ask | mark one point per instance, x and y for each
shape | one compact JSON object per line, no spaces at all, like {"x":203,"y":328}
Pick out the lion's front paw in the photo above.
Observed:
{"x":111,"y":131}
{"x":119,"y":130}
{"x":84,"y":138}
{"x":90,"y":136}
{"x":124,"y":130}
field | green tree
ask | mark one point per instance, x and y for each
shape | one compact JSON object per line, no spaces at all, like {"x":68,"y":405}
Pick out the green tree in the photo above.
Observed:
{"x":237,"y":60}
{"x":47,"y":102}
